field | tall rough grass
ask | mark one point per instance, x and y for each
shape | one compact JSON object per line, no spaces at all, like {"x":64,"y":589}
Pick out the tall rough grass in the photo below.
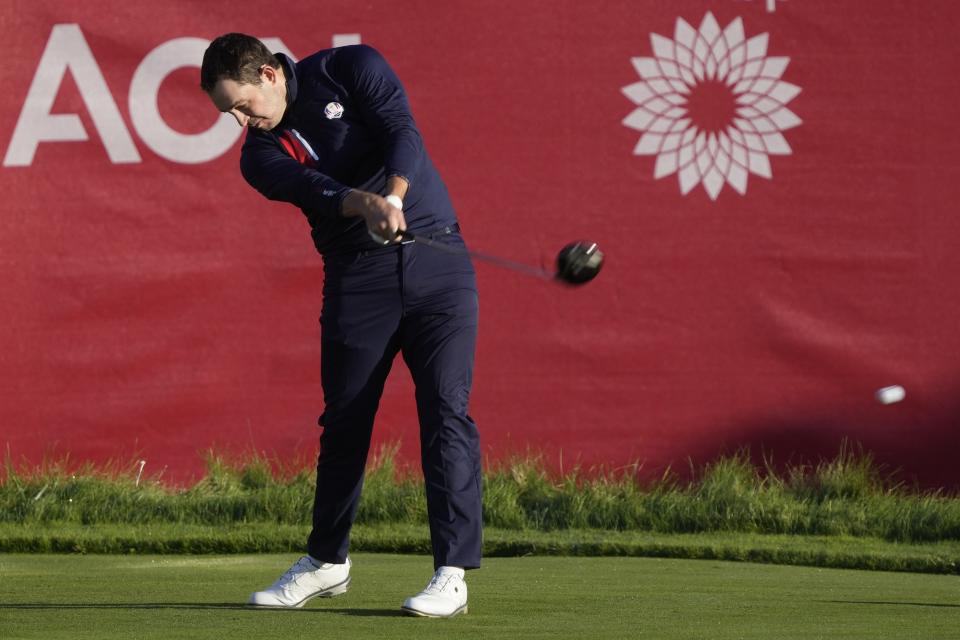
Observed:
{"x":848,"y":495}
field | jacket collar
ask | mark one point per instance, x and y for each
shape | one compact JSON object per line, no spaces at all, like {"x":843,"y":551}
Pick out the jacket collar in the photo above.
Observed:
{"x":290,"y":72}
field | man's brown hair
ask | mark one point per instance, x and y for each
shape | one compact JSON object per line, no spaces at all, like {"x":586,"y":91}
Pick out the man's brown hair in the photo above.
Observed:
{"x":237,"y":57}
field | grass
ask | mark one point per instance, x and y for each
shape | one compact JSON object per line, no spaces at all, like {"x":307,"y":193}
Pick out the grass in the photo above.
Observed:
{"x":821,"y":551}
{"x":848,"y":495}
{"x":186,"y":597}
{"x":738,"y":509}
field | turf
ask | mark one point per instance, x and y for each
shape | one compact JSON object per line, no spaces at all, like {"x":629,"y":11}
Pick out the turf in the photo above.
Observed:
{"x":846,"y":552}
{"x":105,"y":597}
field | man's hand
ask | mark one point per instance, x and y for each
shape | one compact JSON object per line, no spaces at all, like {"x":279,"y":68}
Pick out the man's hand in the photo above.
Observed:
{"x":385,"y":220}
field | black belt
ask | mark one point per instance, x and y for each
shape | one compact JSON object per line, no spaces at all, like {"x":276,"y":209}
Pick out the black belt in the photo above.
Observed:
{"x":432,"y":234}
{"x":436,"y":233}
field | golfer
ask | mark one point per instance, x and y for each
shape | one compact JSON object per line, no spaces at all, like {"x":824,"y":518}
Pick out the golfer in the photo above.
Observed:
{"x":333,"y":135}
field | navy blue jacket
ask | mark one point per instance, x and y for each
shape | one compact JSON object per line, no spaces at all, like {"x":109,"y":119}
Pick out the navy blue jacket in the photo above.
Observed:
{"x":349,"y":121}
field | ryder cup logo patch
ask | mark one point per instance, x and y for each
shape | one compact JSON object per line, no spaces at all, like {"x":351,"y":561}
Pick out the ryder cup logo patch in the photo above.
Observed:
{"x":711,"y":106}
{"x":333,"y":110}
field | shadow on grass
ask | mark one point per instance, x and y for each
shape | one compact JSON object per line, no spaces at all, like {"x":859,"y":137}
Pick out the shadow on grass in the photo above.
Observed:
{"x":896,"y":604}
{"x":386,"y":613}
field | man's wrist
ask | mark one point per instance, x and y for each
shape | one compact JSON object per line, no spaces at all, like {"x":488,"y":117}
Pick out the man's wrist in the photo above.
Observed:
{"x":397,"y":185}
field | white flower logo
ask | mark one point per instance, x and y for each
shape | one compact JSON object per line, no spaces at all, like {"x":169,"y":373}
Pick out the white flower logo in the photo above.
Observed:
{"x":711,"y":106}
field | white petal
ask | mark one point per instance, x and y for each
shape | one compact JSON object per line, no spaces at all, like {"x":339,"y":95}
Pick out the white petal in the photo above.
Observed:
{"x":747,"y":98}
{"x":762,"y":85}
{"x":712,"y":144}
{"x":701,"y":49}
{"x":752,"y":69}
{"x":675,"y":98}
{"x":774,"y":67}
{"x":639,"y":119}
{"x":722,"y":161}
{"x":689,"y":135}
{"x":754,"y":142}
{"x":684,"y":33}
{"x":681,"y":125}
{"x":700,"y":143}
{"x":725,"y":143}
{"x":679,"y":85}
{"x":784,"y":92}
{"x":785,"y":119}
{"x":739,"y":155}
{"x":737,"y":177}
{"x":662,"y":47}
{"x":687,"y":76}
{"x":738,"y":55}
{"x":711,"y":68}
{"x":661,"y":125}
{"x":760,"y":165}
{"x":776,"y":144}
{"x":764,"y":124}
{"x":676,"y":112}
{"x":689,"y":177}
{"x":649,"y":145}
{"x":658,"y":105}
{"x":735,"y":135}
{"x":719,"y":49}
{"x":744,"y":126}
{"x":698,"y":70}
{"x":660,"y":86}
{"x":646,"y":67}
{"x":638,"y":92}
{"x":757,"y":46}
{"x":748,"y":112}
{"x":704,"y":162}
{"x":709,"y":28}
{"x":666,"y":164}
{"x":743,"y":87}
{"x":669,"y":69}
{"x":766,"y":105}
{"x":723,"y":69}
{"x":671,"y":142}
{"x":713,"y":183}
{"x":686,"y":155}
{"x":733,"y":34}
{"x":734,"y":77}
{"x":684,"y":56}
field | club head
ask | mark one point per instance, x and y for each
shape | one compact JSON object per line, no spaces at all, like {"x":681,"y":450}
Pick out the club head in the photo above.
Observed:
{"x":579,"y":262}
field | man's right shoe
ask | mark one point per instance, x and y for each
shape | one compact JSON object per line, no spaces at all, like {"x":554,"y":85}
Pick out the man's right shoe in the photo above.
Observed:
{"x":303,"y":581}
{"x":444,"y":597}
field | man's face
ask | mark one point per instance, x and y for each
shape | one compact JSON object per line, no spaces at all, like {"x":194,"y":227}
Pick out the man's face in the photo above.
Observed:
{"x":258,"y":106}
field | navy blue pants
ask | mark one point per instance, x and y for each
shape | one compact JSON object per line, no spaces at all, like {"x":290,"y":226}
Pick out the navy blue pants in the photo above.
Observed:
{"x":422,"y":302}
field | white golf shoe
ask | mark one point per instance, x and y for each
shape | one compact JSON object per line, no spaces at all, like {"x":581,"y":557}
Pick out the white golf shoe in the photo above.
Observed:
{"x":303,"y":581}
{"x":444,"y":597}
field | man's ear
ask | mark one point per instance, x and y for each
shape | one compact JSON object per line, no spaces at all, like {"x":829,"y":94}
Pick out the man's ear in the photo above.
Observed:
{"x":269,"y":74}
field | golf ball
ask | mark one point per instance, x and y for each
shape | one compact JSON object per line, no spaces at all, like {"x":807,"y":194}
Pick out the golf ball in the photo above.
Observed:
{"x":891,"y":394}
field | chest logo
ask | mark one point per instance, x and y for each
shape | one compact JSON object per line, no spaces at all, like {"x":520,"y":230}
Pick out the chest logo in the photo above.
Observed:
{"x":333,"y":110}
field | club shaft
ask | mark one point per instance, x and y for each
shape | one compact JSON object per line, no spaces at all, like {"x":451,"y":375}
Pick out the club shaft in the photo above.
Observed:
{"x":486,"y":257}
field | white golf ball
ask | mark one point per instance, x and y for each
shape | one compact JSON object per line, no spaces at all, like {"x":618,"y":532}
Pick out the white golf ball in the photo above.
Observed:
{"x":891,"y":394}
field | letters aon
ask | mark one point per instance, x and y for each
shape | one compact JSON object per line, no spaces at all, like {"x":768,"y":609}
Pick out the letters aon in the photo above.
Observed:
{"x":67,"y":49}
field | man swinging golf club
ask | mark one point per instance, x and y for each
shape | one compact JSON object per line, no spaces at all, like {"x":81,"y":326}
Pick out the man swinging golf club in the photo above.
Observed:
{"x":333,"y":135}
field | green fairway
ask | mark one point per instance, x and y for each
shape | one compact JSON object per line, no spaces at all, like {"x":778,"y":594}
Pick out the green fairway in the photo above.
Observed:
{"x":104,"y":597}
{"x":839,"y":552}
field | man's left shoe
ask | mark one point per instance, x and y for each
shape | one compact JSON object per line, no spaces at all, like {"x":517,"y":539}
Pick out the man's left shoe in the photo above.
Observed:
{"x":303,"y":581}
{"x":444,"y":597}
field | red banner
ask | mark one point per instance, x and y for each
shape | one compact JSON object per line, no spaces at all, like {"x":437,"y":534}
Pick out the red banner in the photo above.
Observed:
{"x":773,"y":183}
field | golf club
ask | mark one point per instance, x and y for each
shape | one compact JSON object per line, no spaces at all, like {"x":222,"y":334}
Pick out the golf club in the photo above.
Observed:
{"x":577,"y":263}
